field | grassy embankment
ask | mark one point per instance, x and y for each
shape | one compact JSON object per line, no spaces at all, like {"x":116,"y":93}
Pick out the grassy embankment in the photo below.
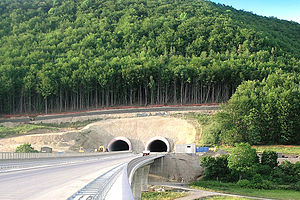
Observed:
{"x":232,"y":188}
{"x":224,"y":198}
{"x":23,"y":129}
{"x":286,"y":149}
{"x":209,"y":129}
{"x":162,"y":195}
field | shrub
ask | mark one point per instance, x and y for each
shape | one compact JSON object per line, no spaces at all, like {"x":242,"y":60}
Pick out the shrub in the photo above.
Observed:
{"x":215,"y":168}
{"x":267,"y":185}
{"x":264,"y":170}
{"x":269,"y":158}
{"x":242,"y":159}
{"x":297,"y":186}
{"x":244,"y":183}
{"x":256,"y":183}
{"x":26,"y":148}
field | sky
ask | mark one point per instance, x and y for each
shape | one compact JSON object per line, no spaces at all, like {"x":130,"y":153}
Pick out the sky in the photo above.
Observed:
{"x":281,"y":9}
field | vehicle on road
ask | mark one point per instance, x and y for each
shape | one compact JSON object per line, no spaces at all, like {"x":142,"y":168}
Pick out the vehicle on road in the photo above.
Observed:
{"x":146,"y":153}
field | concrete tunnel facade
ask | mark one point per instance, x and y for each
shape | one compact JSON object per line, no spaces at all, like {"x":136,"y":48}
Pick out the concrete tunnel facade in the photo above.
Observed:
{"x":158,"y":144}
{"x":119,"y":144}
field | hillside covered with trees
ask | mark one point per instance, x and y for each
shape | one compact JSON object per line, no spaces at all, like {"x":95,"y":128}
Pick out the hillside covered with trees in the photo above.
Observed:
{"x":75,"y":54}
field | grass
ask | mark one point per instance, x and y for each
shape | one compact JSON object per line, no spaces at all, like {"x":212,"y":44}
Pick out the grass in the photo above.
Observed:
{"x":232,"y":188}
{"x":224,"y":198}
{"x":162,"y":195}
{"x":21,"y":129}
{"x":27,"y":128}
{"x":286,"y":149}
{"x":78,"y":124}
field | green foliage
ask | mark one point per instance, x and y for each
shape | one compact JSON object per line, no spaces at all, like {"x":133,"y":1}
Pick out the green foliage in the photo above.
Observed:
{"x":162,"y":195}
{"x":234,"y":188}
{"x":215,"y":168}
{"x":263,"y":112}
{"x":26,"y":148}
{"x":71,"y":55}
{"x":285,"y":149}
{"x":210,"y":129}
{"x":287,"y":173}
{"x":252,"y":174}
{"x":269,"y":158}
{"x":78,"y":124}
{"x":242,"y":159}
{"x":225,"y":198}
{"x":21,"y":129}
{"x":244,"y":183}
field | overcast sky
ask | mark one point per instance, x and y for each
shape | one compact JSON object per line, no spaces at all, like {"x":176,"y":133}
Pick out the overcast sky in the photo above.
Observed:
{"x":282,"y":9}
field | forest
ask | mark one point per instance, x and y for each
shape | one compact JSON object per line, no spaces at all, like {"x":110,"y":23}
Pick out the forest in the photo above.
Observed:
{"x":66,"y":55}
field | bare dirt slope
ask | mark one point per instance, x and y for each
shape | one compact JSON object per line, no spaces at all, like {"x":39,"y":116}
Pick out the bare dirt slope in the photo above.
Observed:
{"x":138,"y":130}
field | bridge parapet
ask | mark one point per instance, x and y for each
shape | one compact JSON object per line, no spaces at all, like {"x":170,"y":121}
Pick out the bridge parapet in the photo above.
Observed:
{"x":138,"y":171}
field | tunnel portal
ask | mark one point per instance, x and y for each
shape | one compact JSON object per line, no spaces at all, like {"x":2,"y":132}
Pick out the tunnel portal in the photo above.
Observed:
{"x":158,"y":144}
{"x":119,"y":144}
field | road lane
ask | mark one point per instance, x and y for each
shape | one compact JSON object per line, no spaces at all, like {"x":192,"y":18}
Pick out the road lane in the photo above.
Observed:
{"x":57,"y":182}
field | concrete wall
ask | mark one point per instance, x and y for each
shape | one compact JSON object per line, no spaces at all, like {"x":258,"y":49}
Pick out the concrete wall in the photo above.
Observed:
{"x":185,"y":148}
{"x":176,"y":167}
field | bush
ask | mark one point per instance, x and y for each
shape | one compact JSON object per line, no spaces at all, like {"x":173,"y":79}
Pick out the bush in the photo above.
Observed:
{"x":242,"y":159}
{"x":215,"y":168}
{"x":297,"y":186}
{"x":256,"y":183}
{"x":26,"y":148}
{"x":269,"y":158}
{"x":264,"y":170}
{"x":244,"y":183}
{"x":267,"y":185}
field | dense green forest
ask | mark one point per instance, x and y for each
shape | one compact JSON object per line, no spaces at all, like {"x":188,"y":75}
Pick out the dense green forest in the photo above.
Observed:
{"x":76,"y":54}
{"x":263,"y":112}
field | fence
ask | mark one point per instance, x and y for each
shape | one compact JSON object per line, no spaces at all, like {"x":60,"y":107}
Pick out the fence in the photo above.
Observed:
{"x":18,"y":156}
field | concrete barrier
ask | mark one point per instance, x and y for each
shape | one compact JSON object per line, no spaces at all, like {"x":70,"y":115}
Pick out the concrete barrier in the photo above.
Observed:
{"x":18,"y":156}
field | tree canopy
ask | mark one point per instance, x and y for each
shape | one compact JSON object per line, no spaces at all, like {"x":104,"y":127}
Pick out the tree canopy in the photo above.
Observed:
{"x":263,"y":112}
{"x":63,"y":55}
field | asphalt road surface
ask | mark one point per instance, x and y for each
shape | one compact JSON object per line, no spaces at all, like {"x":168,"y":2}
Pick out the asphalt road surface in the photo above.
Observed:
{"x":56,"y":182}
{"x":113,"y":111}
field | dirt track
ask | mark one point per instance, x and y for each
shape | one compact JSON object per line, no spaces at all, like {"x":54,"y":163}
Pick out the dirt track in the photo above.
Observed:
{"x":104,"y":112}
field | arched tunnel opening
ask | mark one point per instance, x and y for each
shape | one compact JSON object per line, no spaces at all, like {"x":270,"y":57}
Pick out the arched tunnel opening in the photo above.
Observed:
{"x":157,"y":146}
{"x":119,"y":144}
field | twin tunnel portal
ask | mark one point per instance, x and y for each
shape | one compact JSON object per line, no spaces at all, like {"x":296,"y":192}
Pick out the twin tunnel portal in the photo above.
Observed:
{"x":155,"y":144}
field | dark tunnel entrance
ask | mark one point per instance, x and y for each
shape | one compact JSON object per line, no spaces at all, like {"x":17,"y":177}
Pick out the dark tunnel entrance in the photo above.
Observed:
{"x":157,"y":146}
{"x":119,"y":145}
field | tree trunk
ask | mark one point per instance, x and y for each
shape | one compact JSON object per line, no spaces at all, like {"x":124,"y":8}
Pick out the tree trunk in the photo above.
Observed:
{"x":181,"y":92}
{"x":166,"y":94}
{"x":46,"y":105}
{"x":146,"y":95}
{"x":96,"y":97}
{"x":185,"y":93}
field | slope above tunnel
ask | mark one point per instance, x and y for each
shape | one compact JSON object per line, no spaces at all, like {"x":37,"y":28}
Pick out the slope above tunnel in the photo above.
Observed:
{"x":140,"y":130}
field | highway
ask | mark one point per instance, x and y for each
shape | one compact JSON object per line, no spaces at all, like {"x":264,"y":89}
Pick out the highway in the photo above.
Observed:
{"x":58,"y":181}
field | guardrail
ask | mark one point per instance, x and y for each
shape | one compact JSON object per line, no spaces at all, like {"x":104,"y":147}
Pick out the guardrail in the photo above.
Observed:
{"x":18,"y":156}
{"x":139,"y":162}
{"x":98,"y":188}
